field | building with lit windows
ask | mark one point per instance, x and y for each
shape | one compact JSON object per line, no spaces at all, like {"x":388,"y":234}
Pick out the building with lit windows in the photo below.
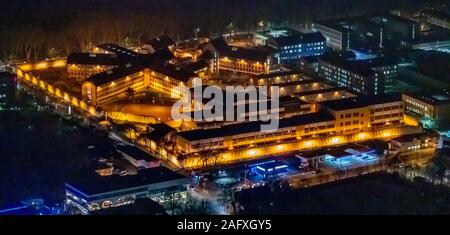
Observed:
{"x":89,"y":191}
{"x":385,"y":65}
{"x":429,"y":106}
{"x":83,"y":65}
{"x":278,"y":78}
{"x":337,"y":36}
{"x":350,"y":119}
{"x":293,"y":47}
{"x":365,"y":113}
{"x":355,"y":76}
{"x":114,"y":83}
{"x":251,"y":61}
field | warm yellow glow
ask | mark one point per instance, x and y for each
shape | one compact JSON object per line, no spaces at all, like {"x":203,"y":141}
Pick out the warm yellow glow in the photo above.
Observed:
{"x":335,"y":140}
{"x":59,"y":63}
{"x":252,"y":152}
{"x":280,"y":147}
{"x":410,"y":121}
{"x":386,"y":133}
{"x":42,"y":65}
{"x":308,"y":143}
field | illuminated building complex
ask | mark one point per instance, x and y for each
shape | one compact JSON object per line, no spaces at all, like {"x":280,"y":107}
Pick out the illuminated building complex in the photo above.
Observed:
{"x":293,"y":47}
{"x":290,"y":44}
{"x":308,"y":88}
{"x":356,"y":76}
{"x":252,"y":61}
{"x":134,"y":71}
{"x":108,"y":85}
{"x":83,"y":65}
{"x":335,"y":119}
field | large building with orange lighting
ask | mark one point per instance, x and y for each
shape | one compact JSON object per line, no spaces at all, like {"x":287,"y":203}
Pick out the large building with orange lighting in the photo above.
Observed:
{"x":250,"y":61}
{"x":358,"y":117}
{"x":110,"y":85}
{"x":83,"y":65}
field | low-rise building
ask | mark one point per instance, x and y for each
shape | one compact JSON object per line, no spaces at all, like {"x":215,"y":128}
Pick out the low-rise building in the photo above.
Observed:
{"x":89,"y":191}
{"x":138,"y":157}
{"x":428,"y":105}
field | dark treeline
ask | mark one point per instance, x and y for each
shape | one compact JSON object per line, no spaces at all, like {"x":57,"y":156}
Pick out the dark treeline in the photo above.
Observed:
{"x":34,"y":30}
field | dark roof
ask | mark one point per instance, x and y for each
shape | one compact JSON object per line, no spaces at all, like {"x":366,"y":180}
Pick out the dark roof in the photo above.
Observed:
{"x":158,"y":131}
{"x":90,"y":183}
{"x":206,"y":55}
{"x":288,"y":103}
{"x":361,"y":69}
{"x":154,"y":62}
{"x":163,"y":55}
{"x":95,"y":59}
{"x":220,"y":44}
{"x":255,"y":126}
{"x":409,"y":138}
{"x":136,"y":153}
{"x":380,"y":61}
{"x":141,"y":206}
{"x":310,"y":59}
{"x":276,"y":74}
{"x":170,"y":70}
{"x":360,"y":101}
{"x":160,"y":42}
{"x":118,"y":50}
{"x":437,"y":14}
{"x":300,"y":82}
{"x":116,"y":73}
{"x":313,"y":92}
{"x":255,"y":54}
{"x":198,"y":65}
{"x":437,"y":98}
{"x":299,"y":39}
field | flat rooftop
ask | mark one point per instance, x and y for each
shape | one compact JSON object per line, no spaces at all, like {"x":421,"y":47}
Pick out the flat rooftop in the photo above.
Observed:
{"x":360,"y":101}
{"x":250,"y":127}
{"x":136,"y":153}
{"x":438,"y":98}
{"x":90,"y":183}
{"x":277,"y":74}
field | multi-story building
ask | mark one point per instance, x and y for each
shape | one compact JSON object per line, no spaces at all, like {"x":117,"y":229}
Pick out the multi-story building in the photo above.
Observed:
{"x":353,"y":75}
{"x":364,"y":113}
{"x":251,"y":61}
{"x":385,"y":65}
{"x":293,"y":47}
{"x":111,"y":84}
{"x":430,"y":106}
{"x":83,"y":65}
{"x":335,"y":119}
{"x":337,"y":36}
{"x":368,"y":34}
